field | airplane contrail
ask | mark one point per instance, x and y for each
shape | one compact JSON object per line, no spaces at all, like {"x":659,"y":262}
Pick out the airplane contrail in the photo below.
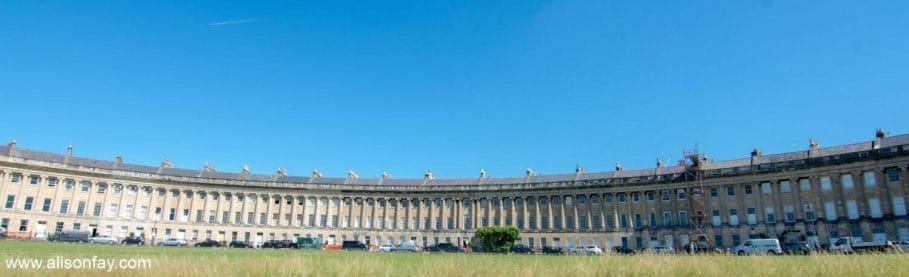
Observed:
{"x":240,"y":21}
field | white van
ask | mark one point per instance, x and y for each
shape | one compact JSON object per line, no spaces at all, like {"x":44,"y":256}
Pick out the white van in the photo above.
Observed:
{"x":759,"y":246}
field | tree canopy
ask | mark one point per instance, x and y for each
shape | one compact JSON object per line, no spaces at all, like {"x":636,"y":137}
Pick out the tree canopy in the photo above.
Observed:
{"x":497,"y":238}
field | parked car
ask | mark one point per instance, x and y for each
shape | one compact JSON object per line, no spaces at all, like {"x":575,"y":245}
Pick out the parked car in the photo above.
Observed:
{"x":173,"y":242}
{"x":280,"y":244}
{"x":133,"y":240}
{"x":623,"y":250}
{"x":593,"y":250}
{"x":406,"y":247}
{"x":446,"y":247}
{"x":902,"y":245}
{"x":759,"y":246}
{"x":553,"y":250}
{"x":548,"y":249}
{"x":240,"y":244}
{"x":104,"y":240}
{"x":386,"y":248}
{"x":354,"y":245}
{"x":796,"y":248}
{"x":850,"y":245}
{"x":662,"y":250}
{"x":2,"y":232}
{"x":522,"y":249}
{"x":586,"y":250}
{"x":71,"y":236}
{"x":208,"y":243}
{"x":309,"y":243}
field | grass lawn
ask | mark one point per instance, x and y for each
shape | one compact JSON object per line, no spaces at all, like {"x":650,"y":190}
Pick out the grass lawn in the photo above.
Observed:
{"x":190,"y":261}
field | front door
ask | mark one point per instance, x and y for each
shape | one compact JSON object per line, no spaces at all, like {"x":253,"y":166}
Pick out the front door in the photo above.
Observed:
{"x":41,"y":230}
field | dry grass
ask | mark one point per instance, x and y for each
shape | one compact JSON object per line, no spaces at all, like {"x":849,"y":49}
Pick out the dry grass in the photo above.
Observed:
{"x":249,"y":262}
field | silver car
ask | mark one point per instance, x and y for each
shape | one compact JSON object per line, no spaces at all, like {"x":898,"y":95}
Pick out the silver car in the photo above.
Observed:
{"x":586,"y":250}
{"x":173,"y":242}
{"x":662,"y":250}
{"x":104,"y":240}
{"x":902,"y":245}
{"x":406,"y":247}
{"x":386,"y":248}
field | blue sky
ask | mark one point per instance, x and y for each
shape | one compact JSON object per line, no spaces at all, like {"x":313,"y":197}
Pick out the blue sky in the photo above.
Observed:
{"x":453,"y":86}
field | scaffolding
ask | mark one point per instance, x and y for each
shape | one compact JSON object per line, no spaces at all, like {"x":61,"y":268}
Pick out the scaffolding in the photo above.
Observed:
{"x":694,"y":163}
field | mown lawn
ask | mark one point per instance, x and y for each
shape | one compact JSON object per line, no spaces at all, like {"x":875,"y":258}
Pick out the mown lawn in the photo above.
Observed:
{"x":254,"y":262}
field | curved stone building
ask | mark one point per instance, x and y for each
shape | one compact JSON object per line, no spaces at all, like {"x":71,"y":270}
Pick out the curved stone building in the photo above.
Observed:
{"x":820,"y":193}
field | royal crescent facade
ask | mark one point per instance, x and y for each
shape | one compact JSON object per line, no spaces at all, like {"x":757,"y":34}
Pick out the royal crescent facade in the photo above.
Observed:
{"x":857,"y":190}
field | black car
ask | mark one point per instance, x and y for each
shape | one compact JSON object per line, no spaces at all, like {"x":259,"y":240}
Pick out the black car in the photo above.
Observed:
{"x":623,"y":250}
{"x":446,"y":247}
{"x":280,"y":244}
{"x":522,"y":249}
{"x":796,"y":248}
{"x":133,"y":240}
{"x":553,"y":250}
{"x":208,"y":243}
{"x":240,"y":244}
{"x":354,"y":245}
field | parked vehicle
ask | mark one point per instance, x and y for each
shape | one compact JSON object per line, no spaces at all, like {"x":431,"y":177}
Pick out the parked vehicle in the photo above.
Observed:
{"x":849,"y":245}
{"x":902,"y":245}
{"x":446,"y":247}
{"x":280,"y":244}
{"x":406,"y":247}
{"x":623,"y":250}
{"x":796,"y":248}
{"x":354,"y":245}
{"x":522,"y":249}
{"x":585,"y":250}
{"x":173,"y":242}
{"x":759,"y":246}
{"x":133,"y":240}
{"x":575,"y":250}
{"x":240,"y":244}
{"x":104,"y":240}
{"x":386,"y":248}
{"x":71,"y":236}
{"x":309,"y":243}
{"x":593,"y":250}
{"x":553,"y":250}
{"x":208,"y":243}
{"x":662,"y":250}
{"x":2,"y":232}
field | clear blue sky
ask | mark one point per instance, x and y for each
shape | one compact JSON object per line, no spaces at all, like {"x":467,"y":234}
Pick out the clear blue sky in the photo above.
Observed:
{"x":405,"y":86}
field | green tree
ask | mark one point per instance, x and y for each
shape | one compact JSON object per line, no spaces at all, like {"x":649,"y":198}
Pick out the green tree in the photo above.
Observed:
{"x":497,"y":238}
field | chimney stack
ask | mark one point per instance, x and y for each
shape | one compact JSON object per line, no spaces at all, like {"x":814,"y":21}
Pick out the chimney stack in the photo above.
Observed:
{"x":279,"y":173}
{"x":878,"y":136}
{"x":118,"y":161}
{"x":69,"y":154}
{"x":11,"y":148}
